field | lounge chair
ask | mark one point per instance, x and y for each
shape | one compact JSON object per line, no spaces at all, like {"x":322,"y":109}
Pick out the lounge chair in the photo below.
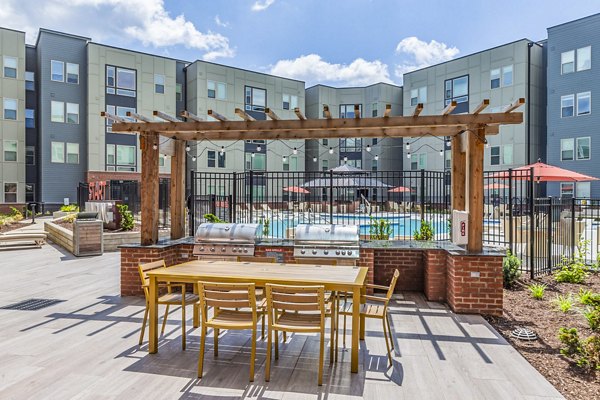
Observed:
{"x":21,"y":238}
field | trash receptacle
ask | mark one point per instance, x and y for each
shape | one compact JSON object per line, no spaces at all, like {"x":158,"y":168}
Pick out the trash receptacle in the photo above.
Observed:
{"x":87,"y":235}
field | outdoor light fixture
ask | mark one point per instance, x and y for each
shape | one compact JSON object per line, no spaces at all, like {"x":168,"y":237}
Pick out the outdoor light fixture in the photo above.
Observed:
{"x":487,"y":145}
{"x":284,"y":158}
{"x":448,"y":143}
{"x":155,"y":147}
{"x":258,"y":148}
{"x":408,"y":155}
{"x":222,"y":150}
{"x":376,"y":157}
{"x":441,"y":153}
{"x":407,"y":146}
{"x":187,"y":148}
{"x":345,"y":159}
{"x":314,"y":159}
{"x":194,"y":158}
{"x":295,"y":150}
{"x":331,"y":150}
{"x":368,"y":148}
{"x":252,"y":155}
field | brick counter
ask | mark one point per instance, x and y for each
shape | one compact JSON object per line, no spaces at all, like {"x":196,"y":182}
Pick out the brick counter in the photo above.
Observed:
{"x":469,"y":283}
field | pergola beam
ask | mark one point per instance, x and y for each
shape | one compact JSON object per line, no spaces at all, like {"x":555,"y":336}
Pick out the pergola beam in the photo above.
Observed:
{"x":164,"y":116}
{"x":272,"y":114}
{"x":388,"y":111}
{"x":244,"y":115}
{"x":138,"y":117}
{"x":484,"y":103}
{"x":514,"y":105}
{"x":418,"y":110}
{"x":357,"y":111}
{"x":218,"y":116}
{"x":299,"y":114}
{"x":449,"y":108}
{"x":189,"y":115}
{"x":112,"y":117}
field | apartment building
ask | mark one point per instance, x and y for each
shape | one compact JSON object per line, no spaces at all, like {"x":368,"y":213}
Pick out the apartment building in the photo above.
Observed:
{"x":573,"y":56}
{"x":367,"y":154}
{"x":501,"y":74}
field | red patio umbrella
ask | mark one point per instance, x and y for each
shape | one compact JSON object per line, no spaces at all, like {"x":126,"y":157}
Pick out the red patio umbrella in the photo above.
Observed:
{"x":495,"y":186}
{"x":399,"y":189}
{"x":295,"y":189}
{"x":546,"y":173}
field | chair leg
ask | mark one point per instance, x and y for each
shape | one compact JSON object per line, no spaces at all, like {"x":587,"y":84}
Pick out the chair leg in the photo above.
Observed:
{"x":144,"y":325}
{"x":196,"y":315}
{"x":262,"y":329}
{"x":385,"y":334}
{"x":332,"y":334}
{"x":201,"y":355}
{"x":284,"y":334}
{"x":321,"y":351}
{"x":183,"y":326}
{"x":164,"y":324}
{"x":344,"y":337}
{"x":253,"y":354}
{"x":216,"y":345}
{"x":389,"y":330}
{"x":269,"y":344}
{"x":337,"y":332}
{"x":276,"y":345}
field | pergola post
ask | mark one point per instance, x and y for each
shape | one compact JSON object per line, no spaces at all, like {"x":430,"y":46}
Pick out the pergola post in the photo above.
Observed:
{"x":475,"y":188}
{"x":149,"y":187}
{"x":177,"y":203}
{"x":459,"y":170}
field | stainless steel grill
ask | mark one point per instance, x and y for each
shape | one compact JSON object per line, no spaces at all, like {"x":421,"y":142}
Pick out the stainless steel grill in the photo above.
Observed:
{"x":224,"y":239}
{"x":326,"y":241}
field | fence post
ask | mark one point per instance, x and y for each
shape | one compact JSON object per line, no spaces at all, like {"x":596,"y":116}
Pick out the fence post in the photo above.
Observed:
{"x":549,"y":239}
{"x":331,"y":196}
{"x":233,"y":199}
{"x":251,"y":196}
{"x":422,"y":194}
{"x":510,"y":211}
{"x":573,"y":228}
{"x":192,"y":204}
{"x":531,"y":222}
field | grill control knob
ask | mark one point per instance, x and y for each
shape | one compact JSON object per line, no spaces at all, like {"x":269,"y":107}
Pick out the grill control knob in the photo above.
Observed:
{"x":223,"y":249}
{"x":201,"y":248}
{"x":245,"y":250}
{"x":234,"y":250}
{"x":349,"y":252}
{"x":212,"y":249}
{"x":302,"y":251}
{"x":325,"y":252}
{"x":343,"y":252}
{"x":314,"y":252}
{"x":337,"y":252}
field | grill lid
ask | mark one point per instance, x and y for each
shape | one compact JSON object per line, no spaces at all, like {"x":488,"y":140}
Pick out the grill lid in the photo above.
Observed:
{"x":326,"y":234}
{"x":228,"y":232}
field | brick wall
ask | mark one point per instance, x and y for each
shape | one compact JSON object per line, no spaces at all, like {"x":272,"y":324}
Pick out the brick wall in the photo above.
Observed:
{"x":132,"y":257}
{"x":408,"y":262}
{"x":468,"y":293}
{"x":435,"y":274}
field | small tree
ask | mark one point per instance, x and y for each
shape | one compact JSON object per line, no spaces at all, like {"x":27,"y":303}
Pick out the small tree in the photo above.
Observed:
{"x":511,"y":269}
{"x":126,"y":217}
{"x":380,"y":230}
{"x":425,"y":231}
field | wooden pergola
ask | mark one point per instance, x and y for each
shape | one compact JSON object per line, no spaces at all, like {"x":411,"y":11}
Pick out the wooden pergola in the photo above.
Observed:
{"x":468,"y":132}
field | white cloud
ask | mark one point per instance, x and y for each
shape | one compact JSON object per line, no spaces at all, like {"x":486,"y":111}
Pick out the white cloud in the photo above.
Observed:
{"x":261,"y":5}
{"x":117,"y":21}
{"x":220,"y":23}
{"x":422,"y":54}
{"x":313,"y":69}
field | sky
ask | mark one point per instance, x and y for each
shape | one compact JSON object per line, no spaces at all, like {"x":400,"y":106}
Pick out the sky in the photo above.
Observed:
{"x":336,"y":42}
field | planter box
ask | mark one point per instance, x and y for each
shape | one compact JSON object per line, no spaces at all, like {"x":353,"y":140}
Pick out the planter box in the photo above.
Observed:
{"x":59,"y":235}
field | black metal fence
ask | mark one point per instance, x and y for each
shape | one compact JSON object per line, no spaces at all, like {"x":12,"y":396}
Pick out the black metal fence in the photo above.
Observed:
{"x":127,"y":192}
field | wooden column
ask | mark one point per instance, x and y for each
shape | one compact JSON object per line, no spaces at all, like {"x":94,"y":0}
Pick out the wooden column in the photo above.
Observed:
{"x":149,"y":185}
{"x":475,"y":189}
{"x":177,"y":195}
{"x":459,"y":169}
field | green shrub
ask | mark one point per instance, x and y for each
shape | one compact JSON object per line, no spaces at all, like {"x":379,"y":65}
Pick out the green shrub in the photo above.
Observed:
{"x":563,"y":302}
{"x":70,"y":208}
{"x":266,"y":226}
{"x":537,"y":290}
{"x":17,"y":215}
{"x":592,"y":315}
{"x":380,"y":230}
{"x":585,"y":353}
{"x":589,"y":298}
{"x":126,"y":217}
{"x":69,"y":218}
{"x":213,"y":218}
{"x":511,"y":269}
{"x":574,"y":271}
{"x":425,"y":231}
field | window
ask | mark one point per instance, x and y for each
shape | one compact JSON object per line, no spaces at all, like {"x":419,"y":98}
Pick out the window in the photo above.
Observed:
{"x":290,"y":102}
{"x":347,"y":110}
{"x":72,"y":153}
{"x":161,"y":160}
{"x":418,"y":161}
{"x":121,"y":81}
{"x":495,"y":155}
{"x":29,"y":192}
{"x":57,"y":111}
{"x":159,"y":83}
{"x":566,"y":189}
{"x":374,"y":165}
{"x":178,"y":92}
{"x":120,"y":111}
{"x":447,"y":159}
{"x":566,"y":149}
{"x":257,"y":163}
{"x":120,"y":158}
{"x":350,"y":145}
{"x":10,"y":67}
{"x":10,"y":150}
{"x":507,"y":75}
{"x":495,"y":78}
{"x":29,"y":81}
{"x":30,"y":155}
{"x":325,"y":142}
{"x":57,"y":71}
{"x":457,"y":89}
{"x":58,"y":152}
{"x":286,"y":164}
{"x":583,"y":148}
{"x":212,"y":89}
{"x":418,"y":95}
{"x":374,"y":110}
{"x":567,"y":105}
{"x":221,"y":160}
{"x":584,"y":103}
{"x":582,"y":189}
{"x":507,"y":154}
{"x":72,"y":113}
{"x":325,"y":165}
{"x":10,"y":192}
{"x":217,"y":90}
{"x":110,"y":154}
{"x":355,"y":163}
{"x":374,"y":141}
{"x":255,"y":99}
{"x":72,"y":73}
{"x":584,"y":59}
{"x":10,"y":109}
{"x":125,"y":155}
{"x":423,"y":161}
{"x":567,"y":62}
{"x":29,"y":118}
{"x":211,"y":157}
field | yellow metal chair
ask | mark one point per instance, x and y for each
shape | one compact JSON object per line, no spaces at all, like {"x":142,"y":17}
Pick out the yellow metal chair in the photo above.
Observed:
{"x":170,"y":298}
{"x":299,"y":309}
{"x":230,"y":303}
{"x":377,"y":311}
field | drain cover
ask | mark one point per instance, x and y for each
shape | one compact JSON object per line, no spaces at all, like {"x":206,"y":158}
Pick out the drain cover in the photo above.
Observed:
{"x":32,"y":304}
{"x":524,"y":334}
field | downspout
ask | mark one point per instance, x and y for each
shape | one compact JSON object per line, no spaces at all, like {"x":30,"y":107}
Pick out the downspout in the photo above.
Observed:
{"x":528,"y":138}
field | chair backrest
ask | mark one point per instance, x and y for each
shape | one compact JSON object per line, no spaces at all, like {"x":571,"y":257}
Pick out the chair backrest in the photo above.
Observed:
{"x":392,"y":286}
{"x":257,"y":259}
{"x":227,"y":295}
{"x":295,"y":298}
{"x":317,"y":261}
{"x":143,"y":270}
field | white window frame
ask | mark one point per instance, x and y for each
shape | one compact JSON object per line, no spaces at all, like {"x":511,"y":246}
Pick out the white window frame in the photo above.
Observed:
{"x":572,"y":184}
{"x":583,"y":187}
{"x":571,"y":55}
{"x":16,"y":150}
{"x":30,"y":77}
{"x":54,"y":116}
{"x":62,"y":70}
{"x":27,"y":118}
{"x":499,"y":155}
{"x":30,"y":153}
{"x":16,"y":67}
{"x":75,"y":71}
{"x":506,"y":70}
{"x":5,"y":108}
{"x":562,"y":100}
{"x":291,"y":99}
{"x":73,"y":147}
{"x":122,"y":147}
{"x":579,"y":54}
{"x":159,"y":81}
{"x":581,"y":96}
{"x":221,"y":157}
{"x":504,"y":154}
{"x":496,"y":74}
{"x":178,"y":92}
{"x":419,"y":95}
{"x":74,"y":110}
{"x":563,"y":149}
{"x":325,"y":165}
{"x":212,"y":159}
{"x":112,"y":154}
{"x":16,"y":192}
{"x":576,"y":151}
{"x":58,"y":145}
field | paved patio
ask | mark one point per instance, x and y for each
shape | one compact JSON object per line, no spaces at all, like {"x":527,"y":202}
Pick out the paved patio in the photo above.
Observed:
{"x":86,"y":348}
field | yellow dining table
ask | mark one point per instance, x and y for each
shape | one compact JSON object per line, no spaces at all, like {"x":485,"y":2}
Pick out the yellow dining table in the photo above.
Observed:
{"x":347,"y":279}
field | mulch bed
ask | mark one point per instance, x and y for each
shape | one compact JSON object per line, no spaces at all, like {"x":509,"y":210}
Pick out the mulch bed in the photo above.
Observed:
{"x":521,"y":310}
{"x":11,"y":227}
{"x":69,"y":226}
